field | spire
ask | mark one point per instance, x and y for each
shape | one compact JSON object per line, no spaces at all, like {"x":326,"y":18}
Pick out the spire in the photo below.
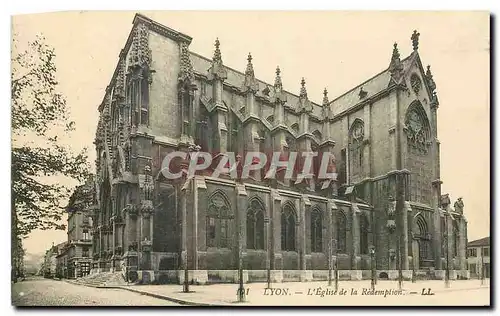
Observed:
{"x":279,"y":95}
{"x":304,"y":104}
{"x":326,"y":107}
{"x":303,"y":91}
{"x":250,"y":81}
{"x":249,"y":70}
{"x":395,"y":67}
{"x":217,"y":71}
{"x":325,"y":97}
{"x":414,"y":39}
{"x":217,"y":55}
{"x":395,"y":53}
{"x":277,"y":80}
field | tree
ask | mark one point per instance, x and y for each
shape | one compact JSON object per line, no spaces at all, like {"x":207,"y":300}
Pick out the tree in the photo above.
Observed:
{"x":39,"y":115}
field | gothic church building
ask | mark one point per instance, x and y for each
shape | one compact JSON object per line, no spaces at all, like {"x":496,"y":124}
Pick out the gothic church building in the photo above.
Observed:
{"x":387,"y":195}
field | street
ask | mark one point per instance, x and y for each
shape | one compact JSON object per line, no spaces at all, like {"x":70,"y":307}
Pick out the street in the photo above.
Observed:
{"x":351,"y":293}
{"x":47,"y":292}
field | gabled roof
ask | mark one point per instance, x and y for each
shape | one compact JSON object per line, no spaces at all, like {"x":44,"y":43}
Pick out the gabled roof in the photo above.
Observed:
{"x":479,"y":242}
{"x":372,"y":86}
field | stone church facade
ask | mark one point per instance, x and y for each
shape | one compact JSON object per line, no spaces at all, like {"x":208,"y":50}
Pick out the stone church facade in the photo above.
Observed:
{"x":387,"y":195}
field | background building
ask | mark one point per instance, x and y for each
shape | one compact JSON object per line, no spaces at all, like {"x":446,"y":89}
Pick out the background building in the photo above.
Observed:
{"x":163,"y":97}
{"x":75,"y":258}
{"x":478,"y":257}
{"x":50,"y":264}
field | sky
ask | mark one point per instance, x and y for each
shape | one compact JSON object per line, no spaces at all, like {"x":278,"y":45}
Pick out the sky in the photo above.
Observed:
{"x":332,"y":49}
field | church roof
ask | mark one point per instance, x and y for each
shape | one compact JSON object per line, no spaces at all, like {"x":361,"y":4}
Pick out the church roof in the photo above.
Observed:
{"x":344,"y":102}
{"x":372,"y":86}
{"x":236,"y":78}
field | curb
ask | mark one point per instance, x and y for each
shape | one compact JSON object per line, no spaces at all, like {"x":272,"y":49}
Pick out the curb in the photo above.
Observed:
{"x":162,"y":297}
{"x":167,"y":298}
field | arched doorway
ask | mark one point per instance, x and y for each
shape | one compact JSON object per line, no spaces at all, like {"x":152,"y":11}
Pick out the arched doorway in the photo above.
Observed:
{"x":421,"y":243}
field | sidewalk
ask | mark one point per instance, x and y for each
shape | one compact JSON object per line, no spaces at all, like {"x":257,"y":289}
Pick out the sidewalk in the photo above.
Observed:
{"x":354,"y":293}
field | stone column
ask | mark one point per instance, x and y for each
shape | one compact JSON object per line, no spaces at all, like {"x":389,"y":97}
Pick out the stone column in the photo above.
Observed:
{"x":331,"y":212}
{"x":145,"y":243}
{"x":275,"y":237}
{"x":113,"y":245}
{"x":305,"y":206}
{"x":449,"y":243}
{"x":463,"y":245}
{"x":112,"y":222}
{"x":268,"y":233}
{"x":355,"y":272}
{"x":98,"y":246}
{"x":241,"y":207}
{"x":201,"y":276}
{"x":437,"y":233}
{"x":184,"y":228}
{"x":119,"y":232}
{"x":405,"y":238}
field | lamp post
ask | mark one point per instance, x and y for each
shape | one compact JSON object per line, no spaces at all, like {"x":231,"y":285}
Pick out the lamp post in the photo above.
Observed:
{"x":126,"y":269}
{"x":268,"y":275}
{"x":336,"y":267}
{"x":330,"y":263}
{"x":269,"y":248}
{"x":400,"y":271}
{"x":268,"y":263}
{"x":447,"y":272}
{"x":372,"y":257}
{"x":413,"y":276}
{"x":482,"y":266}
{"x":241,"y":288}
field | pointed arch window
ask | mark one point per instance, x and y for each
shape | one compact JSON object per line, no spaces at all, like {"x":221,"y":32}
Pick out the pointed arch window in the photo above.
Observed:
{"x":144,"y":97}
{"x":235,"y":128}
{"x":132,"y":90}
{"x":316,"y":230}
{"x":288,"y":223}
{"x":418,"y":136}
{"x":356,"y":138}
{"x":341,"y":233}
{"x":219,"y":221}
{"x":423,"y":238}
{"x":203,"y":130}
{"x":255,"y":225}
{"x":364,"y":229}
{"x":417,"y":129}
{"x":185,"y":102}
{"x":138,"y":81}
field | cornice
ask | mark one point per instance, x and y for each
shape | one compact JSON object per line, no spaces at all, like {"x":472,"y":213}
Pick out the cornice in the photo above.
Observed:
{"x":161,"y":29}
